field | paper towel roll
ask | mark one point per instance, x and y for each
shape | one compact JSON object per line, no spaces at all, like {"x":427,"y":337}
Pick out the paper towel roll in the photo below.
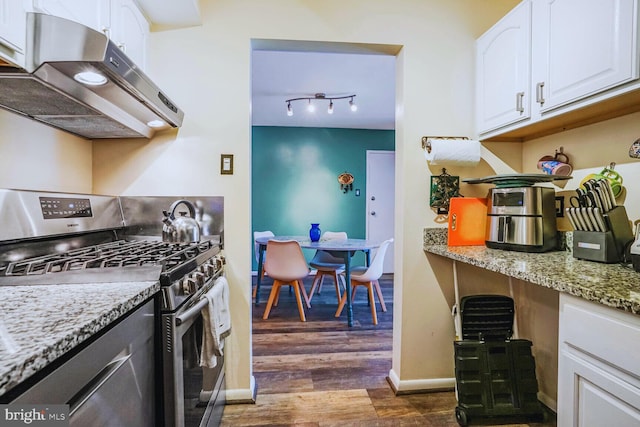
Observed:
{"x":452,"y":152}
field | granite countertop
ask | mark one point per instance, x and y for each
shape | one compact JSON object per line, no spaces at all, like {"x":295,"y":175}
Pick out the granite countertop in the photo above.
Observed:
{"x":613,"y":285}
{"x":40,"y":323}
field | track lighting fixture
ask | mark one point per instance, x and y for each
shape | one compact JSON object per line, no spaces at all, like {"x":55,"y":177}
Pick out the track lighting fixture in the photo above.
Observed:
{"x":321,"y":97}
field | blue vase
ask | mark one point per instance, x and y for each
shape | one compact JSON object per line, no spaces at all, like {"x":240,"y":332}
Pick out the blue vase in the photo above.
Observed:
{"x":314,"y":232}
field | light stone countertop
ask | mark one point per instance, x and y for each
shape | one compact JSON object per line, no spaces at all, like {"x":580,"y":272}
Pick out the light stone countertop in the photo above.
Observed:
{"x":613,"y":285}
{"x":40,"y":323}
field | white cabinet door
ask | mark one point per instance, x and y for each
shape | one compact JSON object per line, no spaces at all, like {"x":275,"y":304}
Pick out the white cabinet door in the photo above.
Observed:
{"x":92,"y":13}
{"x":12,"y":29}
{"x":503,"y":65}
{"x":129,"y":30}
{"x":592,"y":397}
{"x":598,"y":370}
{"x":581,"y":48}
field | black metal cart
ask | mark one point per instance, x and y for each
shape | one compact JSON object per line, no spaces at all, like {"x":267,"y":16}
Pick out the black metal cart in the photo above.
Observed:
{"x":495,"y":374}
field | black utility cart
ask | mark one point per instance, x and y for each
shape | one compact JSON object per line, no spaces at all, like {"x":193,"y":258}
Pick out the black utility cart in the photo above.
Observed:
{"x":495,"y":374}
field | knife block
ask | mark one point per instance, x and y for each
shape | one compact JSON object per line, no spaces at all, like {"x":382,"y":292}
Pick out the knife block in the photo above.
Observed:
{"x":608,"y":247}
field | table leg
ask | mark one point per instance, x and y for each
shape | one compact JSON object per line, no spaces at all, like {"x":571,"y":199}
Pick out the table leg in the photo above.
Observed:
{"x":261,"y":251}
{"x":347,"y":277}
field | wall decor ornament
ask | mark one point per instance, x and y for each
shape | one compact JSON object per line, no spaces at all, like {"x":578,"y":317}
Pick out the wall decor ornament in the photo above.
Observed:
{"x":346,"y":182}
{"x":443,"y":188}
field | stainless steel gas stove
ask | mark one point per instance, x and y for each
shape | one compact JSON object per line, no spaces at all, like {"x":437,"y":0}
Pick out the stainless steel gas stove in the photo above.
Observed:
{"x":55,"y":238}
{"x":60,"y":238}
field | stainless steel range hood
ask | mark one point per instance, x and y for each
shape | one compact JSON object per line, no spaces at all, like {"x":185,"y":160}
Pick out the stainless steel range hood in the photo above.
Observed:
{"x":126,"y":104}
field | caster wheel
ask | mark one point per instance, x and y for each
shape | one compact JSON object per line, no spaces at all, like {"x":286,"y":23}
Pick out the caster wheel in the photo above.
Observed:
{"x":461,"y":416}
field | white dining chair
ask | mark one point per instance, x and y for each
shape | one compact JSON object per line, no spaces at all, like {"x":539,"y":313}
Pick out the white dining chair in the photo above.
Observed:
{"x":327,"y":265}
{"x":368,"y":277}
{"x":286,"y":265}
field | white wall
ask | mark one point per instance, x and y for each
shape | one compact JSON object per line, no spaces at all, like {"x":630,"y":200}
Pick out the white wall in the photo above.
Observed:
{"x":590,"y":149}
{"x":34,"y":156}
{"x":206,"y":71}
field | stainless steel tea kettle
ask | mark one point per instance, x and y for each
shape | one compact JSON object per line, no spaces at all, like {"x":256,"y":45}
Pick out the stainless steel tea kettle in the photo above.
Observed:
{"x":183,"y":229}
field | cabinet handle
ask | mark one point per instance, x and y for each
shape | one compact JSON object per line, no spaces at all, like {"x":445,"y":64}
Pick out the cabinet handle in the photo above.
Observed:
{"x":519,"y":106}
{"x":122,"y":47}
{"x":107,"y":32}
{"x":539,"y":93}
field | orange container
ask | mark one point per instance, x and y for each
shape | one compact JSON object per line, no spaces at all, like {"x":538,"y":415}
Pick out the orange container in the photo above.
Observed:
{"x":467,"y":221}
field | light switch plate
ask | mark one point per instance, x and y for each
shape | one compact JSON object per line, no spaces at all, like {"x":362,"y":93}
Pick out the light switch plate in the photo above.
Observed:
{"x":226,"y":164}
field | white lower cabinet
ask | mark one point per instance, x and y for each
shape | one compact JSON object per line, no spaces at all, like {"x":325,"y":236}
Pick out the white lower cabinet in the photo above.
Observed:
{"x":598,"y":365}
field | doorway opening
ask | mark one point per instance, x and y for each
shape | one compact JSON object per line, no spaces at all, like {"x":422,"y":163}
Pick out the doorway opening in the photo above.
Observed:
{"x":296,"y":161}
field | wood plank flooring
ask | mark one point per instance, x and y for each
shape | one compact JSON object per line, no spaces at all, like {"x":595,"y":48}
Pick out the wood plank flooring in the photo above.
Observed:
{"x":321,"y":373}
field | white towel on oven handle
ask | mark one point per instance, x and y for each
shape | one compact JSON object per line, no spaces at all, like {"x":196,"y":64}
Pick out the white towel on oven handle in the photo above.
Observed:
{"x":216,"y":319}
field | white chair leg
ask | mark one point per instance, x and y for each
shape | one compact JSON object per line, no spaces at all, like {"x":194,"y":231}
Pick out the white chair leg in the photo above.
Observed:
{"x":379,"y":292}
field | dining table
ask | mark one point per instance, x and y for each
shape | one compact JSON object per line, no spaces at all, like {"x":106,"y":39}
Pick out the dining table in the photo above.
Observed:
{"x":340,"y":248}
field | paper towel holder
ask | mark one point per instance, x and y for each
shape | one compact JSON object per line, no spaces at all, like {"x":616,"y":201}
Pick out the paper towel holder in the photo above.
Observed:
{"x":426,"y":144}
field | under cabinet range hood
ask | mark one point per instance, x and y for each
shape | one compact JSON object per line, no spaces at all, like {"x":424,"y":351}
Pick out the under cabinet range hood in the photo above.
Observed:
{"x":77,"y":80}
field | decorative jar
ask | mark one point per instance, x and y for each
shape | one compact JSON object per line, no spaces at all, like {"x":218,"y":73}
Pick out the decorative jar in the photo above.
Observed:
{"x":314,"y":232}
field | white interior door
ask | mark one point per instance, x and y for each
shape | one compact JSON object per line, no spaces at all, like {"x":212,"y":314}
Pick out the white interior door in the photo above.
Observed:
{"x":380,"y":199}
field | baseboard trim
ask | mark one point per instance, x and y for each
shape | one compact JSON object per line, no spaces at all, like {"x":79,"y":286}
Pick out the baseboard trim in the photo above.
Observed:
{"x":419,"y":386}
{"x":242,"y":395}
{"x":548,"y":401}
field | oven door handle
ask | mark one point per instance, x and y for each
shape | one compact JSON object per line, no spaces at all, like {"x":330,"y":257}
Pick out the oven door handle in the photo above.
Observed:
{"x":192,"y":312}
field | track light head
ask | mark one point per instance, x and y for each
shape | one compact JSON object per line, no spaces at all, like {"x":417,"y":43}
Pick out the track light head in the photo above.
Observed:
{"x":330,"y":109}
{"x":352,"y":105}
{"x":311,"y":108}
{"x":289,"y":109}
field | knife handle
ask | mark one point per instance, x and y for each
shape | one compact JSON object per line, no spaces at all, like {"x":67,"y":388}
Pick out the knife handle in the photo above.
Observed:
{"x":597,"y":213}
{"x":571,"y":220}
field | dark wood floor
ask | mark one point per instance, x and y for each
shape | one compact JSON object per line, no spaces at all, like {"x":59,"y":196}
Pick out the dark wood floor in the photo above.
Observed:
{"x":323,"y":373}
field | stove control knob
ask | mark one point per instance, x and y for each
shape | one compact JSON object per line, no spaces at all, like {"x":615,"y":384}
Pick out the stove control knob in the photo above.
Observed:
{"x":211,"y":269}
{"x":199,"y":279}
{"x":189,"y":286}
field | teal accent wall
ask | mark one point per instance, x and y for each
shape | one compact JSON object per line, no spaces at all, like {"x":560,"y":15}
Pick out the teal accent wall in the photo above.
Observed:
{"x":294,"y":179}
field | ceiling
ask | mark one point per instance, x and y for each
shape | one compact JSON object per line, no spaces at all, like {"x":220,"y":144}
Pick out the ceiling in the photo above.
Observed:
{"x":278,"y":75}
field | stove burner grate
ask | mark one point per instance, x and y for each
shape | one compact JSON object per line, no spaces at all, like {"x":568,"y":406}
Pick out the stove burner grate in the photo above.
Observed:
{"x":120,"y":253}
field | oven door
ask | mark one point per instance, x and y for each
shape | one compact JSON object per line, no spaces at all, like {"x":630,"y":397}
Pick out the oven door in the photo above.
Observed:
{"x":193,"y":395}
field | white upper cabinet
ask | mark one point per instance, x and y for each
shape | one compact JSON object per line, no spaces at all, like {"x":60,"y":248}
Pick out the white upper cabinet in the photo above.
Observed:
{"x":129,"y":30}
{"x":583,"y":65}
{"x":120,"y":20}
{"x":582,"y":48}
{"x":504,"y":71}
{"x":12,"y":31}
{"x":92,"y":13}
